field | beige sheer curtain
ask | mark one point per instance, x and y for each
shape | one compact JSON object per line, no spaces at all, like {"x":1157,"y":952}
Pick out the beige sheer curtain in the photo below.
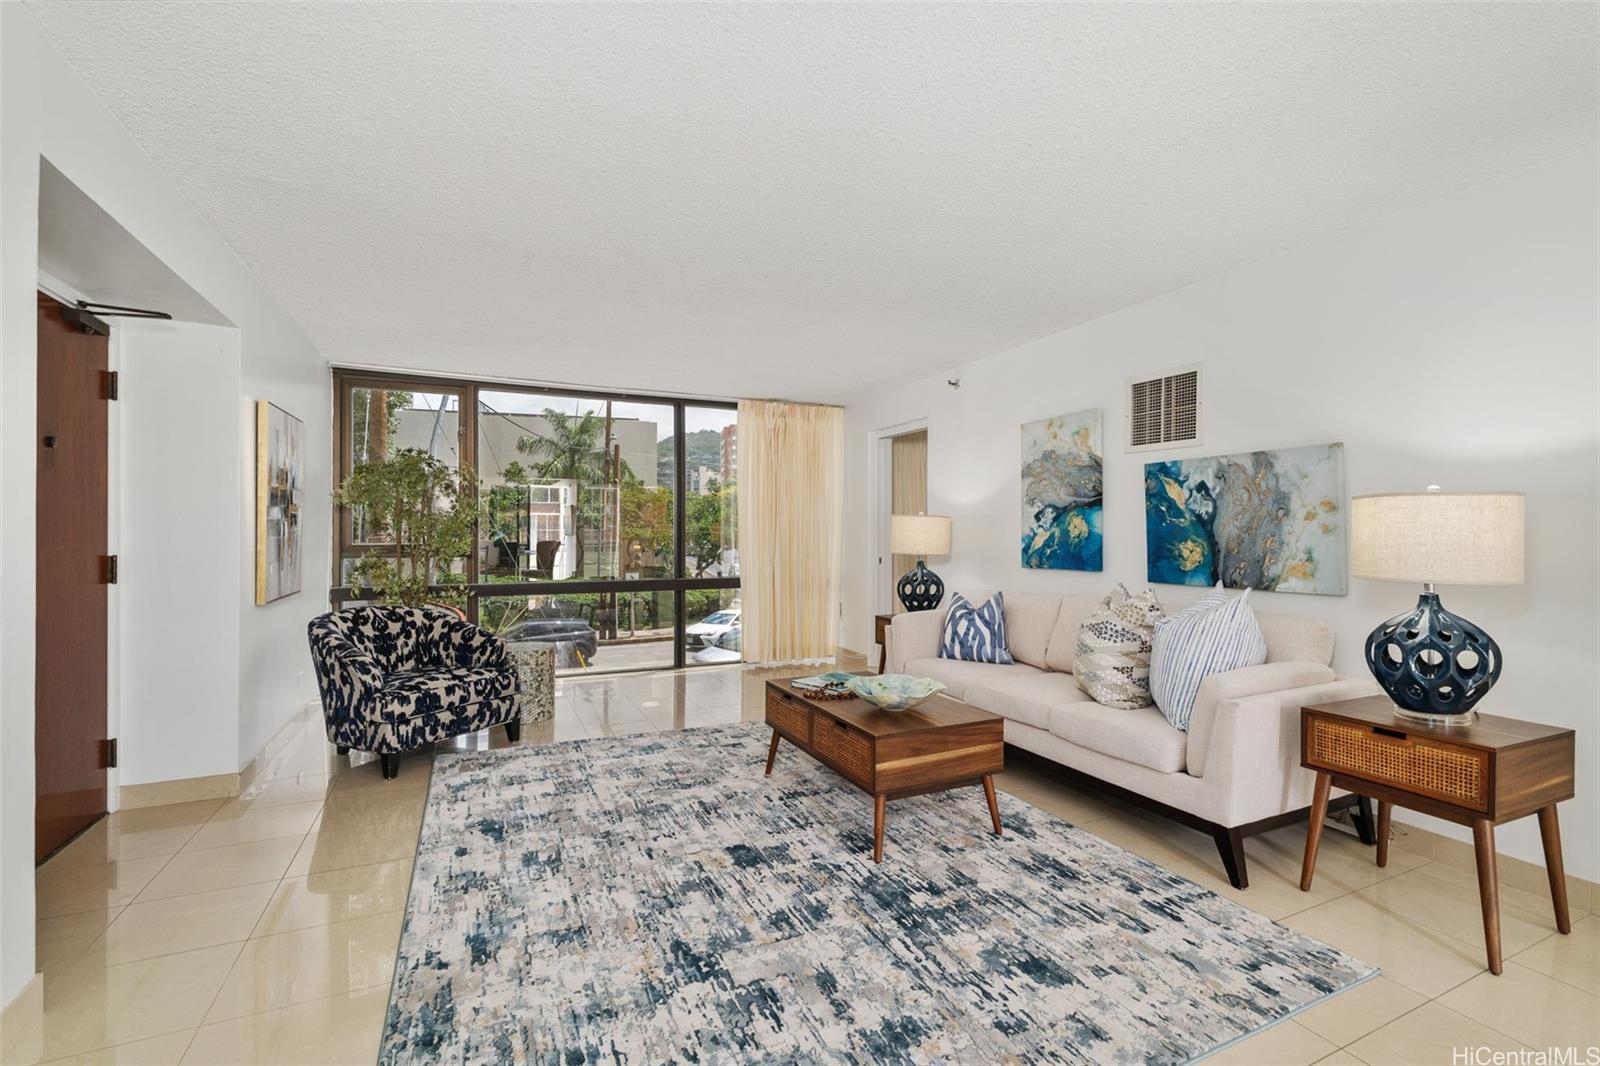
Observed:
{"x":791,"y":508}
{"x":909,"y":472}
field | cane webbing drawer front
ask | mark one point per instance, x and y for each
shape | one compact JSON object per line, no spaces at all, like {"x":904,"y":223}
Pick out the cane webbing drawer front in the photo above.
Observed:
{"x":789,"y":717}
{"x":845,"y":748}
{"x":1456,"y":775}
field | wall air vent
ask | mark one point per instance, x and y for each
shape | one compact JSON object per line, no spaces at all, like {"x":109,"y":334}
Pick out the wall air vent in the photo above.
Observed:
{"x":1164,"y":411}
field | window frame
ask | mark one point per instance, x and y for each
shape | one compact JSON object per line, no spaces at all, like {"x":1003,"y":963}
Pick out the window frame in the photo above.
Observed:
{"x":466,"y":391}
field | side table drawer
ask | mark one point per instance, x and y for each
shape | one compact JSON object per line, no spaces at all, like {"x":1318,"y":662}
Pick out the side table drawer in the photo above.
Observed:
{"x":789,"y":717}
{"x":1454,"y":774}
{"x":845,"y":748}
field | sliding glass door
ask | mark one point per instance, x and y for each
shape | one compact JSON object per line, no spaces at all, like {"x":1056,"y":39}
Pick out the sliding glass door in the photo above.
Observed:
{"x":608,"y":523}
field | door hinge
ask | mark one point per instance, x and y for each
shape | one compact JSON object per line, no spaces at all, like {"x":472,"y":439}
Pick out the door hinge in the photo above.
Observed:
{"x":109,"y":569}
{"x":108,"y":753}
{"x":111,"y":384}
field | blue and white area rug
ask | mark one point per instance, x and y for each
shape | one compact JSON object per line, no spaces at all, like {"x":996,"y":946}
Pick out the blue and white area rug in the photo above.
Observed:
{"x":652,"y":899}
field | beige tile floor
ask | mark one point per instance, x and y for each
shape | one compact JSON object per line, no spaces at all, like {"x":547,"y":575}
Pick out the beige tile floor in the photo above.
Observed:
{"x":264,"y":929}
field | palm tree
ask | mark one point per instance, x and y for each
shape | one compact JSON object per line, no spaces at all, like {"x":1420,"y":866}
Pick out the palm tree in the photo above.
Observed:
{"x":574,"y":449}
{"x":571,"y":450}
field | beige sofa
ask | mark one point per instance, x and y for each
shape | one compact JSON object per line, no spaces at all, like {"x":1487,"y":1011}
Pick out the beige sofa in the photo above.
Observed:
{"x":1235,"y":772}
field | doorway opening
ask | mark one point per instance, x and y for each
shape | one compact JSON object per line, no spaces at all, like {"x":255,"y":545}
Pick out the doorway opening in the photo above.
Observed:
{"x":908,"y":494}
{"x":898,"y":485}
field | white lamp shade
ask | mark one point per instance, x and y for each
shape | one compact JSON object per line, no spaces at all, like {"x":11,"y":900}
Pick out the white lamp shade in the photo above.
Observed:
{"x":921,"y":535}
{"x":1449,"y":538}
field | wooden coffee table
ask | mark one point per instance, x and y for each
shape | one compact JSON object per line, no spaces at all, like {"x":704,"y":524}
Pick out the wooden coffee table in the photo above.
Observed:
{"x":939,"y":745}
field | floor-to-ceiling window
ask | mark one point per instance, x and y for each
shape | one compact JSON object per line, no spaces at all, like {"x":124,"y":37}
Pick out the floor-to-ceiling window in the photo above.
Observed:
{"x":608,"y":519}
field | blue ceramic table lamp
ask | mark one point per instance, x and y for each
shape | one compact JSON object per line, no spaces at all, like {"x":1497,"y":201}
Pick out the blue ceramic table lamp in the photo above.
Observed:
{"x":1436,"y":665}
{"x":920,"y":535}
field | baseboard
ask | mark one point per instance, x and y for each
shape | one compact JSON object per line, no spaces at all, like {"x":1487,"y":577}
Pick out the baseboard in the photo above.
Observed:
{"x":181,"y":790}
{"x":1582,"y":895}
{"x":253,"y":768}
{"x":22,"y":1023}
{"x":189,"y":789}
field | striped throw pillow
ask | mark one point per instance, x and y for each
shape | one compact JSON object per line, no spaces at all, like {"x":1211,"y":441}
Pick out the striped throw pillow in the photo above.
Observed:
{"x":976,"y":634}
{"x":1216,"y":634}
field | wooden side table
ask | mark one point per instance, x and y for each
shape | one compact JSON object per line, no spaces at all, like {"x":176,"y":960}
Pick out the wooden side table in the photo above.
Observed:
{"x":880,"y":633}
{"x":1484,"y":774}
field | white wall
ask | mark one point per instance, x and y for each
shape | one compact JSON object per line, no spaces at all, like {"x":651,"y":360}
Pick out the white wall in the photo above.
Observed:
{"x":179,"y":629}
{"x":45,"y":111}
{"x":1454,"y":344}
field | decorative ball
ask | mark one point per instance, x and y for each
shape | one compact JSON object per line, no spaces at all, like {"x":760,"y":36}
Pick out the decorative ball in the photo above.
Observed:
{"x":1431,"y":661}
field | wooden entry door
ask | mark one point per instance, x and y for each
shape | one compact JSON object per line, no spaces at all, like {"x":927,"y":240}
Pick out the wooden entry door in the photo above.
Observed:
{"x":70,"y":660}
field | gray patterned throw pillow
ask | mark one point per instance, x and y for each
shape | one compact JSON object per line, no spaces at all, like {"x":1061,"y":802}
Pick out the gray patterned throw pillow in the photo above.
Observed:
{"x":1112,"y":663}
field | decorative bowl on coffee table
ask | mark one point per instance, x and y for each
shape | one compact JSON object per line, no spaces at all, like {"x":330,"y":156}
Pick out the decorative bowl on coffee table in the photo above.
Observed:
{"x":894,"y":692}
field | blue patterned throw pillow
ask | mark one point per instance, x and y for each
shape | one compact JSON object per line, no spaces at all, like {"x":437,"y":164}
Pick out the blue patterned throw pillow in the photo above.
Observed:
{"x":1216,"y":634}
{"x":975,"y":634}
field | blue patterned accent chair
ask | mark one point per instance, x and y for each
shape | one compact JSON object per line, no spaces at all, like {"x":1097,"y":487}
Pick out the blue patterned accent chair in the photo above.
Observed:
{"x":394,"y":679}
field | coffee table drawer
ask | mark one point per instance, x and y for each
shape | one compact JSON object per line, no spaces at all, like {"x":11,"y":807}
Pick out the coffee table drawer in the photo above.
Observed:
{"x":1392,"y":757}
{"x":845,"y":748}
{"x":789,"y":717}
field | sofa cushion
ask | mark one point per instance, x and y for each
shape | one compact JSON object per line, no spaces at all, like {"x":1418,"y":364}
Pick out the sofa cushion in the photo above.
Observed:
{"x":1141,"y":736}
{"x":1064,"y":637}
{"x":1296,"y":640}
{"x":975,"y":634}
{"x":1218,"y":633}
{"x":1030,"y":619}
{"x":1112,"y":663}
{"x":409,"y":693}
{"x":958,"y":676}
{"x":1025,"y":698}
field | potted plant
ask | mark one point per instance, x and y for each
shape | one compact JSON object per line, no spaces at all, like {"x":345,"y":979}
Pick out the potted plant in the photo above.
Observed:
{"x":428,"y":509}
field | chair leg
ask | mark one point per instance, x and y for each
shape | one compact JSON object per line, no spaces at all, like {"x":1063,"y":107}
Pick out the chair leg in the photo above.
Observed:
{"x":391,"y":766}
{"x":514,"y":730}
{"x":1230,"y":845}
{"x":342,"y":749}
{"x":1363,"y":819}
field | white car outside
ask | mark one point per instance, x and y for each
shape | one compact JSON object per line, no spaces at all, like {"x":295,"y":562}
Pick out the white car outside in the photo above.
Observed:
{"x":704,"y":633}
{"x":725,"y":649}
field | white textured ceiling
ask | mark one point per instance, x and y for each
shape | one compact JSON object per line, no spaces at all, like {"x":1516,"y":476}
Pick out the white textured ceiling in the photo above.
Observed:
{"x":800,"y":200}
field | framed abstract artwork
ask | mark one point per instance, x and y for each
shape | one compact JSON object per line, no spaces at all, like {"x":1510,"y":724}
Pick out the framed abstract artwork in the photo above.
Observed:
{"x":1260,"y":520}
{"x":280,"y":495}
{"x":1061,"y":493}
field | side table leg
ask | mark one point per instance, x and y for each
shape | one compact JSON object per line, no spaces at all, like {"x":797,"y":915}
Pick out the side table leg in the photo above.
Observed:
{"x":994,"y":803}
{"x":1384,"y":811}
{"x":880,"y":804}
{"x":1550,"y":833}
{"x":1488,"y":889}
{"x":772,"y":752}
{"x":1319,"y":813}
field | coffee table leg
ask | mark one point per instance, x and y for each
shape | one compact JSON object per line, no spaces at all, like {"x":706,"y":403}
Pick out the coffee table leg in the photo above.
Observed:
{"x":772,"y":752}
{"x":879,"y":812}
{"x":994,"y":803}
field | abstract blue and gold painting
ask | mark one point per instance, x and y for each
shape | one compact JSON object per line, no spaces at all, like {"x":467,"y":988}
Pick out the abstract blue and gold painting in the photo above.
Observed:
{"x":1061,"y":493}
{"x":1257,"y":520}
